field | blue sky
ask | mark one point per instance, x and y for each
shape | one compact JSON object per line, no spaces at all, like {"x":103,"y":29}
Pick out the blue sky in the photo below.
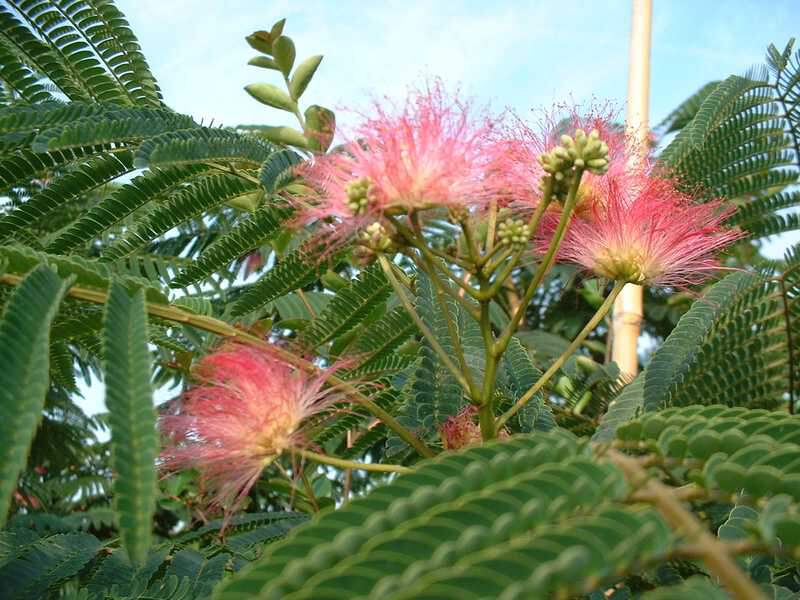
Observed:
{"x":518,"y":53}
{"x":514,"y":54}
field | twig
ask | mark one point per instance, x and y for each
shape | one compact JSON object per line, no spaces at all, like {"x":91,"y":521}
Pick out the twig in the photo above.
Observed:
{"x":423,"y":328}
{"x":223,"y":329}
{"x":350,"y":464}
{"x":588,"y":328}
{"x":712,"y":551}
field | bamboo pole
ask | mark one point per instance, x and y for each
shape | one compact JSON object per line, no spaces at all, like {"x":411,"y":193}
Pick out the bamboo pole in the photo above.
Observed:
{"x":628,"y":313}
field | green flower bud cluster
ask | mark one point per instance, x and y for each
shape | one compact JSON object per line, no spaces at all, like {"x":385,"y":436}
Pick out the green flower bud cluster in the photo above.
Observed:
{"x":359,"y":195}
{"x":514,"y":232}
{"x":581,"y":152}
{"x":376,"y":238}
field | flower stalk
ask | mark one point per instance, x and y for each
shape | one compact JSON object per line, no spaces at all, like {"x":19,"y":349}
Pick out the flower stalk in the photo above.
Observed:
{"x":223,"y":329}
{"x":602,"y":311}
{"x":342,"y":463}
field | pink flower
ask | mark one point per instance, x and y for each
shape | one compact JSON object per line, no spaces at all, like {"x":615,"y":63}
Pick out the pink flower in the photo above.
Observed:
{"x":432,"y":151}
{"x":246,"y":409}
{"x":516,"y":154}
{"x":649,"y":234}
{"x":462,"y":430}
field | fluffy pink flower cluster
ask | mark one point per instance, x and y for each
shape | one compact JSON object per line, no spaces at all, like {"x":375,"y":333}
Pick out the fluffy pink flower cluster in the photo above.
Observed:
{"x":432,"y":151}
{"x":462,"y":430}
{"x":656,"y":235}
{"x":246,"y":408}
{"x":634,"y":223}
{"x":516,"y":156}
{"x":630,"y":223}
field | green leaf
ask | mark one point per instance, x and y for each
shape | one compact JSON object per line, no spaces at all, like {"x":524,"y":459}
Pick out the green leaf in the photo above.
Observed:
{"x":695,"y":588}
{"x":517,"y":376}
{"x":381,"y":338}
{"x":481,"y":523}
{"x":129,"y":398}
{"x":16,"y":76}
{"x":190,"y":202}
{"x":152,"y":185}
{"x":676,"y":354}
{"x":65,"y":189}
{"x":625,"y":407}
{"x":87,"y":273}
{"x":24,"y":354}
{"x":683,"y":115}
{"x":296,"y":270}
{"x":201,"y":572}
{"x":303,"y":75}
{"x":278,"y":170}
{"x":45,"y":563}
{"x":320,"y":126}
{"x":284,"y":52}
{"x":271,"y":95}
{"x":117,"y":571}
{"x":261,"y":41}
{"x":434,"y":392}
{"x":120,"y":125}
{"x":254,"y":231}
{"x":264,"y":62}
{"x":202,"y":145}
{"x":349,"y":307}
{"x":284,"y":136}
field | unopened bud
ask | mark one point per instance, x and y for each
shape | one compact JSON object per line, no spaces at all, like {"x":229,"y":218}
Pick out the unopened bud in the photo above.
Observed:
{"x":581,"y":152}
{"x":375,"y":237}
{"x":360,"y":193}
{"x":513,"y":232}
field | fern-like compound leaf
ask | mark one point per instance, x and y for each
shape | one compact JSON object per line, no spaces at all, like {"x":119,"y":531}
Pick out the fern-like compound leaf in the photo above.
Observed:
{"x":24,"y":377}
{"x":129,"y":398}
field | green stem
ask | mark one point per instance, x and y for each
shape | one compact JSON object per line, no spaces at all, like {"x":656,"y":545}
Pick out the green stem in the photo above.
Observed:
{"x":451,"y":329}
{"x":472,"y":245}
{"x":533,"y":223}
{"x":223,"y":329}
{"x":491,"y":226}
{"x":501,"y":277}
{"x":430,"y":268}
{"x":579,"y":339}
{"x":424,"y":330}
{"x":309,"y":490}
{"x":486,"y":420}
{"x":419,"y":243}
{"x":489,"y":267}
{"x":548,"y":259}
{"x":296,"y":110}
{"x":349,"y":464}
{"x":233,"y":170}
{"x":491,"y":254}
{"x":486,"y":400}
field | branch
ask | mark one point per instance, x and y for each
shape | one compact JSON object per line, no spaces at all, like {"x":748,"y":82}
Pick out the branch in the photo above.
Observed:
{"x":712,"y":551}
{"x":424,"y":330}
{"x":349,"y":464}
{"x":579,"y":339}
{"x":223,"y":329}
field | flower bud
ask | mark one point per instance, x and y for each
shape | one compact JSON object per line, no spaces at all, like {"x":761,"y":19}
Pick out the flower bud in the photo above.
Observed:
{"x":514,"y":232}
{"x":375,"y":237}
{"x":581,"y":152}
{"x":359,"y":193}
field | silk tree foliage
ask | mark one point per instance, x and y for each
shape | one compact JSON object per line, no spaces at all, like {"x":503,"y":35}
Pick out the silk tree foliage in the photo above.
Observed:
{"x":134,"y":241}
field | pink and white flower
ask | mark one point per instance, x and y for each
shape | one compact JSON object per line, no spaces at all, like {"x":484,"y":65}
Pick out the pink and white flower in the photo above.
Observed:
{"x":432,"y":151}
{"x":652,"y":234}
{"x":245,"y":410}
{"x":516,"y":157}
